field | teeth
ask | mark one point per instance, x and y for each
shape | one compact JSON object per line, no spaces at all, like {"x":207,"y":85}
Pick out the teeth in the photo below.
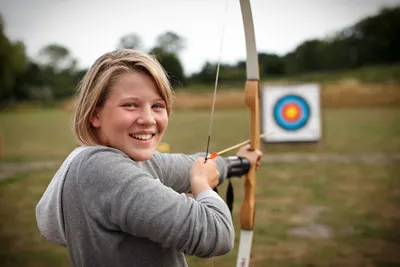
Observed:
{"x":142,"y":136}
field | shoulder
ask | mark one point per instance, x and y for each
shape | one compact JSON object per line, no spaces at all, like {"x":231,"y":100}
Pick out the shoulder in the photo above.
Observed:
{"x":104,"y":167}
{"x":102,"y":157}
{"x":101,"y":152}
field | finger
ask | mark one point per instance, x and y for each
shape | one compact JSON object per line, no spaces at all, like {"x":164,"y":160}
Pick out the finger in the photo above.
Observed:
{"x":246,"y":147}
{"x":200,"y":159}
{"x":211,"y":162}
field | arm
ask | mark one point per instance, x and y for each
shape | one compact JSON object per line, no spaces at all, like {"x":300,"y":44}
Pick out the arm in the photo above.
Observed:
{"x":122,"y":197}
{"x":176,"y":169}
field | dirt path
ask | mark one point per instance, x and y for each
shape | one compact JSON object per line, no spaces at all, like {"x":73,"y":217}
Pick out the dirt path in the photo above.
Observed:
{"x":371,"y":158}
{"x":10,"y":169}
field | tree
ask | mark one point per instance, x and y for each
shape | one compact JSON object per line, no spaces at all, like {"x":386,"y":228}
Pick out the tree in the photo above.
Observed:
{"x":58,"y":57}
{"x":12,"y":63}
{"x":58,"y":71}
{"x":172,"y":66}
{"x":227,"y":73}
{"x":377,"y":38}
{"x":170,"y":42}
{"x":30,"y":78}
{"x":130,"y":41}
{"x":206,"y":74}
{"x":166,"y":50}
{"x":271,"y":64}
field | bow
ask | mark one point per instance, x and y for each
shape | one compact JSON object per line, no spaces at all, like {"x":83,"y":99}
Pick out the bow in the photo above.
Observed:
{"x":247,"y":212}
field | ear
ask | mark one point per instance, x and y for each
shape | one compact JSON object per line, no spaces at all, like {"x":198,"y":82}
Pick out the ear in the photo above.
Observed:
{"x":95,"y":119}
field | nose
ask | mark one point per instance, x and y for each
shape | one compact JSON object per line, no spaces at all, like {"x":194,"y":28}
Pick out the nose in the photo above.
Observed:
{"x":146,"y":116}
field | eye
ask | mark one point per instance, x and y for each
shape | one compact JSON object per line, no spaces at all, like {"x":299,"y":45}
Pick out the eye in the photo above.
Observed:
{"x":130,"y":105}
{"x":158,"y":106}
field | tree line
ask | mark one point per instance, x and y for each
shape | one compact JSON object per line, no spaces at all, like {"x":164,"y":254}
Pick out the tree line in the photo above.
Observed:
{"x":54,"y":75}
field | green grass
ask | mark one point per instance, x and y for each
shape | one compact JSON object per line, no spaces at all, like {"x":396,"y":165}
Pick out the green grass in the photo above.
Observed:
{"x":344,"y":131}
{"x":45,"y":134}
{"x":21,"y":242}
{"x":36,"y":134}
{"x":360,"y":202}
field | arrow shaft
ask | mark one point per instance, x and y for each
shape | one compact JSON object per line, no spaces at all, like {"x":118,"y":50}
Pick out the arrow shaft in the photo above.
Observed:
{"x":215,"y":154}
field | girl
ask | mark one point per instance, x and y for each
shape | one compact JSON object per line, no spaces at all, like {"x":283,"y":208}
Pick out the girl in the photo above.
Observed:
{"x":115,"y":201}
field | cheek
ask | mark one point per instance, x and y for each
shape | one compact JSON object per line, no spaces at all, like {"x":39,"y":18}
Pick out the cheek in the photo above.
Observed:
{"x":163,"y":121}
{"x":121,"y":120}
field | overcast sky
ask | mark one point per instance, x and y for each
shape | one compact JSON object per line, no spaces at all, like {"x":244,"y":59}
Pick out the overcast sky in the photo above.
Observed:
{"x":88,"y":28}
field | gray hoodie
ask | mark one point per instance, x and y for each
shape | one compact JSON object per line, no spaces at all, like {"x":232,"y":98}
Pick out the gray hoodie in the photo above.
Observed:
{"x":110,"y":211}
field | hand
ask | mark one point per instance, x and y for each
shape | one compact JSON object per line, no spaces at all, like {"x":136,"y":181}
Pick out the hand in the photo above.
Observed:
{"x":253,"y":156}
{"x":203,"y":176}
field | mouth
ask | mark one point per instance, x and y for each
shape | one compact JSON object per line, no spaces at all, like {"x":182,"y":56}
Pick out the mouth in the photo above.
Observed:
{"x":142,"y":137}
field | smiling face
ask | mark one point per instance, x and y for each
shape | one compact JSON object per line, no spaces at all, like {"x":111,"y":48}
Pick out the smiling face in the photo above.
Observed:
{"x":134,"y":117}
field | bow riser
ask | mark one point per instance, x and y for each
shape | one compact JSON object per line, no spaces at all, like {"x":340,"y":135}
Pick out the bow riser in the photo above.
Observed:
{"x":248,"y":207}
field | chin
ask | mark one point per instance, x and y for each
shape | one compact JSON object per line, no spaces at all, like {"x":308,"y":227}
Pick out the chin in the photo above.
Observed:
{"x":141,"y":156}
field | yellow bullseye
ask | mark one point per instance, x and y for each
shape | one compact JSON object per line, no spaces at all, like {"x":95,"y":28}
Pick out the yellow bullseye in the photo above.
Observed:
{"x":291,"y":112}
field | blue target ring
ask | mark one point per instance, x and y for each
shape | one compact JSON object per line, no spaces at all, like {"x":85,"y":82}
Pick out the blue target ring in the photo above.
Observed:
{"x":291,"y":112}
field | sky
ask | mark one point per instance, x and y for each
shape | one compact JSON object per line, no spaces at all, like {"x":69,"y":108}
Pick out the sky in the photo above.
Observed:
{"x":89,"y":28}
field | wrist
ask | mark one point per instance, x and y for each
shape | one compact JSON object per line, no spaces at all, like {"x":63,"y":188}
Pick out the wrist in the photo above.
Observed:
{"x":198,"y":185}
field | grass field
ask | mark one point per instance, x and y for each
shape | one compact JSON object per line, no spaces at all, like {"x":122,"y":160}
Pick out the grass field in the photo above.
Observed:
{"x":42,"y":134}
{"x":308,"y":214}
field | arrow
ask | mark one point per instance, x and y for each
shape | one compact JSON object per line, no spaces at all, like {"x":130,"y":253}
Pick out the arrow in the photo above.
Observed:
{"x":216,"y":154}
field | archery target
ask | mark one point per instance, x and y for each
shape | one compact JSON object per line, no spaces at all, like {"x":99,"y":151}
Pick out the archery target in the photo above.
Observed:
{"x":292,"y":113}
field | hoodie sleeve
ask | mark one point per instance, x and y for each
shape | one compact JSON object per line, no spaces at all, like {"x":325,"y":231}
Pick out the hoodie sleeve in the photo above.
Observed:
{"x":175,"y":171}
{"x":122,"y":197}
{"x":49,"y":215}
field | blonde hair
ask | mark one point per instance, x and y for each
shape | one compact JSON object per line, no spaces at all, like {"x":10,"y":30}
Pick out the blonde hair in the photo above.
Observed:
{"x":96,"y":85}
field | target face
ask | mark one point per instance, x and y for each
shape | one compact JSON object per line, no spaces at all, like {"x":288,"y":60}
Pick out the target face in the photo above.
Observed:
{"x":291,"y":112}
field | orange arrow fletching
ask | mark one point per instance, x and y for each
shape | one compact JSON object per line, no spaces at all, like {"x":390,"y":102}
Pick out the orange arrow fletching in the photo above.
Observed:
{"x":213,"y":155}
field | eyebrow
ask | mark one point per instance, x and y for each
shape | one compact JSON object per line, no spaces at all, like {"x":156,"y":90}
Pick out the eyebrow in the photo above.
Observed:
{"x":138,"y":99}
